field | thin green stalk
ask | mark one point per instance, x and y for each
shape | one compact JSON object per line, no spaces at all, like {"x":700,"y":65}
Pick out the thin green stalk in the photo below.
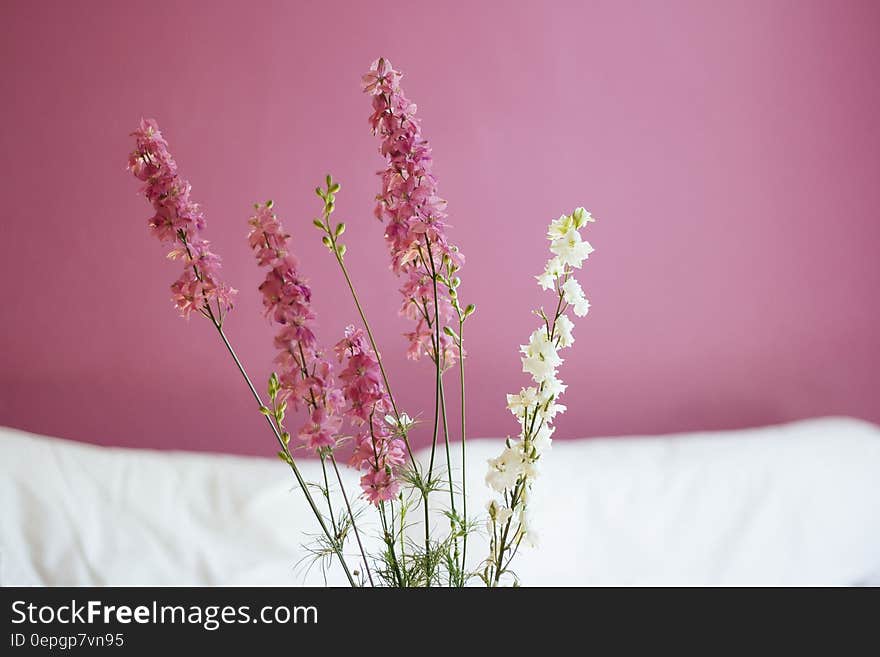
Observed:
{"x":438,"y":392}
{"x":357,"y":534}
{"x":389,"y":541}
{"x":327,"y":495}
{"x":502,"y":548}
{"x":463,"y":450}
{"x":449,"y":468}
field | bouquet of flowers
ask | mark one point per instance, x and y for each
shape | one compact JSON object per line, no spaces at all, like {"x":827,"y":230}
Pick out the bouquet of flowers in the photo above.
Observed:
{"x":343,"y":391}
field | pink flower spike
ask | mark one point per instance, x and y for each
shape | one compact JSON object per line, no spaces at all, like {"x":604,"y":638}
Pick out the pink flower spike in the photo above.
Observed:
{"x":305,"y":376}
{"x":413,"y":213}
{"x":376,"y":451}
{"x":179,"y":221}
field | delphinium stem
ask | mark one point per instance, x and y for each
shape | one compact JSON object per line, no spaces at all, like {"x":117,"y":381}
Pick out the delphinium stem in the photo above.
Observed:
{"x":463,"y":452}
{"x":389,"y":542}
{"x":357,"y":534}
{"x":327,"y":494}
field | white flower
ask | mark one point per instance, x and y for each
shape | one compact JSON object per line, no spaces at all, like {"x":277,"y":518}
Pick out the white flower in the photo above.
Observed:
{"x":549,"y":411}
{"x":582,"y":307}
{"x":559,"y":227}
{"x":554,"y":269}
{"x":552,"y":388}
{"x":498,"y":515}
{"x":498,"y":512}
{"x":545,"y":280}
{"x":506,"y":469}
{"x":541,"y":345}
{"x":581,"y":218}
{"x":563,"y":331}
{"x":540,"y":358}
{"x":573,"y":294}
{"x":541,"y":441}
{"x":520,"y":403}
{"x":402,"y":424}
{"x":571,"y":248}
{"x":526,"y":534}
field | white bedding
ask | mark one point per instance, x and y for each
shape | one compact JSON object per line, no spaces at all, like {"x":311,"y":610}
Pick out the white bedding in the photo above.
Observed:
{"x":791,"y":504}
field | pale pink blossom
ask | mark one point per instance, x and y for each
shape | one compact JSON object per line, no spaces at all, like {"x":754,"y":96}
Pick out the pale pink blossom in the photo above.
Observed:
{"x":178,"y":221}
{"x":376,"y":449}
{"x":306,"y":376}
{"x":413,"y":213}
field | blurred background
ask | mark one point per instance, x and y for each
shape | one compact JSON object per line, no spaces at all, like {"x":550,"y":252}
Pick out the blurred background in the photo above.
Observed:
{"x":729,"y":150}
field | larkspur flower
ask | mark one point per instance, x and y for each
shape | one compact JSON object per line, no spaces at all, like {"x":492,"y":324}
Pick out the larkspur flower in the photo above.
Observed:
{"x":378,"y":451}
{"x":574,"y":295}
{"x":513,"y":472}
{"x":306,"y":376}
{"x":413,"y":213}
{"x":179,"y":221}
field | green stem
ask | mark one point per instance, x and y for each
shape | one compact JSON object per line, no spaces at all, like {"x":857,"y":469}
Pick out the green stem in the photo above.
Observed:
{"x":449,"y":468}
{"x":351,"y":515}
{"x":463,"y":450}
{"x":327,"y":495}
{"x":389,"y":541}
{"x":438,"y":391}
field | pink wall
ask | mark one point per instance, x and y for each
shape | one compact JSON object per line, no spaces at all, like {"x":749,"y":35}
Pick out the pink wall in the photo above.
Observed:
{"x":730,"y":150}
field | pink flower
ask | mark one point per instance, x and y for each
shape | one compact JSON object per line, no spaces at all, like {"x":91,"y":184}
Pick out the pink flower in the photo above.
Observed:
{"x":380,"y":77}
{"x":179,"y":221}
{"x":306,"y":377}
{"x":379,"y":486}
{"x":376,"y":450}
{"x":321,"y":429}
{"x":413,"y":213}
